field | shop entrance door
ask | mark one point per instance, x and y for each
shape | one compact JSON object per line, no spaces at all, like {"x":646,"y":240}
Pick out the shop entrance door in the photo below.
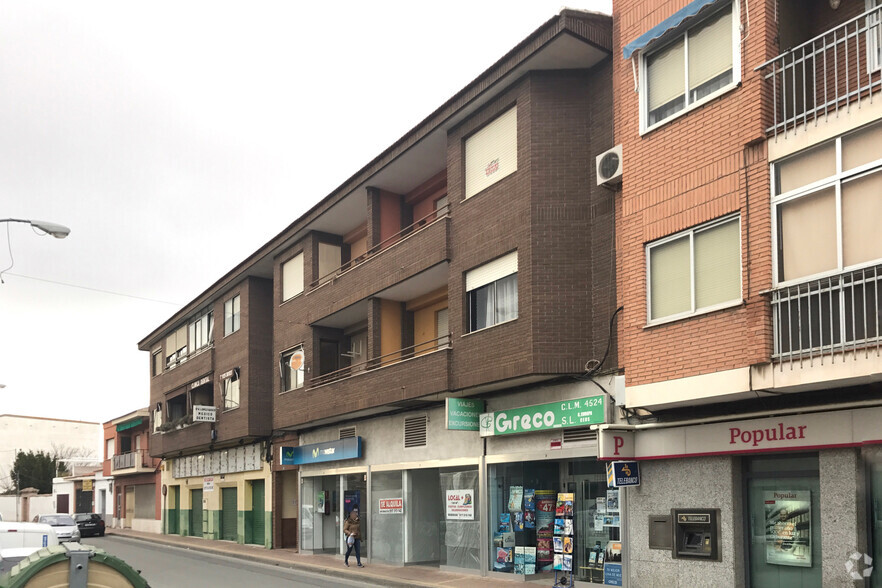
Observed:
{"x":355,"y":493}
{"x":422,"y":517}
{"x":591,"y":491}
{"x":783,"y":521}
{"x":130,"y":506}
{"x":172,"y":510}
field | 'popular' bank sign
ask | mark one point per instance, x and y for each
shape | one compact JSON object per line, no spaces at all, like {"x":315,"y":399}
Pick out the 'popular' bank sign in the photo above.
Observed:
{"x":579,"y":412}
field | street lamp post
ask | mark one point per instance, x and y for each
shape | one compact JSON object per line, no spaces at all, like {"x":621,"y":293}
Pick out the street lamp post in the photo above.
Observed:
{"x":54,"y":229}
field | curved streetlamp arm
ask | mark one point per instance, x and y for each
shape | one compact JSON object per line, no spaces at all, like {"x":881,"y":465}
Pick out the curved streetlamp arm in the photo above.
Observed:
{"x":54,"y":229}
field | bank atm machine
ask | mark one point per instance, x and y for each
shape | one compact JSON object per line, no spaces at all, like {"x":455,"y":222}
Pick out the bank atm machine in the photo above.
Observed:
{"x":696,"y":533}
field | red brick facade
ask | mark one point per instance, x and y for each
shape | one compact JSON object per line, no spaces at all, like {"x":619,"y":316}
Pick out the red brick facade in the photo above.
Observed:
{"x":705,"y":164}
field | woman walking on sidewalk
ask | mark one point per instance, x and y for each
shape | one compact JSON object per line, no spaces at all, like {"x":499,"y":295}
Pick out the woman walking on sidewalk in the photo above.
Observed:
{"x":352,"y":532}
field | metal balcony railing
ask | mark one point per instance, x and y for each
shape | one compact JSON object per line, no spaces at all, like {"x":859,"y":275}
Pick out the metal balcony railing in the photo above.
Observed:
{"x":836,"y":70}
{"x":415,"y":227}
{"x":382,"y":360}
{"x":137,"y":458}
{"x":828,"y":316}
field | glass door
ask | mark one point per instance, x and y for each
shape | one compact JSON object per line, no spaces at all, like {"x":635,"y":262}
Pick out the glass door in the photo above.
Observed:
{"x":784,"y":522}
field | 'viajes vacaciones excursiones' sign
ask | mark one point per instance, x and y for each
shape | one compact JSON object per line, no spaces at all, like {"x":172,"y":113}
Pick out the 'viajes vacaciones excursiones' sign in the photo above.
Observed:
{"x":578,"y":412}
{"x":463,"y":413}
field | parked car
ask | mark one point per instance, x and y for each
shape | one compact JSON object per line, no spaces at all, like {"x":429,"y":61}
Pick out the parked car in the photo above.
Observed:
{"x":19,"y":540}
{"x":63,"y":524}
{"x":89,"y":523}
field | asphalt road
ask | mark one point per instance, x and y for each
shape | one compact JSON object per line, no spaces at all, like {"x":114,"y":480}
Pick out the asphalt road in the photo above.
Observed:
{"x":172,"y":567}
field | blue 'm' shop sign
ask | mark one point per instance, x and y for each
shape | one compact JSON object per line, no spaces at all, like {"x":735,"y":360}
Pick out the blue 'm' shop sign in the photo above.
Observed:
{"x":349,"y":448}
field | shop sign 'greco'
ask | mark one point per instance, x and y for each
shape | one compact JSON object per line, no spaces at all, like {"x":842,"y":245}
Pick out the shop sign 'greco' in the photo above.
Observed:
{"x":579,"y":412}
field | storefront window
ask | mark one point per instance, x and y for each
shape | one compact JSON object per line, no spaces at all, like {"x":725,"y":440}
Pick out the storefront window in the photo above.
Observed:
{"x":387,"y":523}
{"x":553,"y":516}
{"x":784,"y":521}
{"x":460,"y":523}
{"x":426,"y":516}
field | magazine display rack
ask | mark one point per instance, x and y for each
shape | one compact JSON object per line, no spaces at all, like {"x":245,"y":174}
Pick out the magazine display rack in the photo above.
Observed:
{"x":563,"y":541}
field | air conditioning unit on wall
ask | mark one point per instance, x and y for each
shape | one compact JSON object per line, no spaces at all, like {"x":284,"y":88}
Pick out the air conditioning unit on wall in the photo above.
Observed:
{"x":609,"y":167}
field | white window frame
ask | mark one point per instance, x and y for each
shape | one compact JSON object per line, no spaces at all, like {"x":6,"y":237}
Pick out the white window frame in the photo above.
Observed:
{"x":298,"y":381}
{"x":200,"y":332}
{"x":286,"y":295}
{"x":645,"y":127}
{"x":693,"y":311}
{"x":835,"y":181}
{"x":156,"y":362}
{"x":490,"y":274}
{"x":175,"y":357}
{"x":234,"y":314}
{"x":231,"y":390}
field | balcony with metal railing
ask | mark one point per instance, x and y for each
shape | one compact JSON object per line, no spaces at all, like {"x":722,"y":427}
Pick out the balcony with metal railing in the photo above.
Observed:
{"x":826,"y":319}
{"x":385,"y":264}
{"x":132,"y":462}
{"x":838,"y":70}
{"x":396,"y":379}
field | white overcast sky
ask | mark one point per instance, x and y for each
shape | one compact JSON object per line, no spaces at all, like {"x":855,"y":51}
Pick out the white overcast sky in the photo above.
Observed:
{"x":174,"y":139}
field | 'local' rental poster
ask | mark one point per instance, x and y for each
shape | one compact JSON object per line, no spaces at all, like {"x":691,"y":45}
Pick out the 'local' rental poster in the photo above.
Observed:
{"x":788,"y":527}
{"x":460,"y":505}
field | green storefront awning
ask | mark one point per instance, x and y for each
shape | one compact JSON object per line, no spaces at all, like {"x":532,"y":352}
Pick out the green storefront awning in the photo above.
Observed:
{"x":129,"y":425}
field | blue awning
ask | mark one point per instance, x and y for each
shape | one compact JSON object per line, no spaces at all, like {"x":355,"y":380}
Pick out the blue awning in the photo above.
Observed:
{"x":664,"y":26}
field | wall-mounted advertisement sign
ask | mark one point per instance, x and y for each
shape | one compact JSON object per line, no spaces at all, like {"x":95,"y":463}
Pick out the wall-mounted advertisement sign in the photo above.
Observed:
{"x":204,"y":414}
{"x":622,"y":473}
{"x":463,"y":414}
{"x":348,"y":448}
{"x":391,"y":506}
{"x":844,"y":428}
{"x":789,"y":527}
{"x":578,"y":412}
{"x":460,"y":505}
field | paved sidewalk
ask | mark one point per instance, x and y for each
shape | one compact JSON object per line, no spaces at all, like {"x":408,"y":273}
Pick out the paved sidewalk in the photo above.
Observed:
{"x":332,"y":565}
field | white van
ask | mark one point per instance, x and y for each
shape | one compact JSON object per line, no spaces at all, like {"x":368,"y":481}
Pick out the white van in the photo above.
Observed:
{"x":19,"y":540}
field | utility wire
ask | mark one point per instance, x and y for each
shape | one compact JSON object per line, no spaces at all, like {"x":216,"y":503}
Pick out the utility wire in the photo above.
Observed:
{"x":95,"y":289}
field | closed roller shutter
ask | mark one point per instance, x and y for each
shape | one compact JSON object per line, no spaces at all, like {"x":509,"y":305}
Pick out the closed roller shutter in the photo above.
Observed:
{"x":196,"y":513}
{"x":229,"y":518}
{"x":492,"y":153}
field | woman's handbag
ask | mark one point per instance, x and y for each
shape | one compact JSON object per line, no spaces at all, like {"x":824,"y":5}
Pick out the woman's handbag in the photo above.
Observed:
{"x":350,"y":540}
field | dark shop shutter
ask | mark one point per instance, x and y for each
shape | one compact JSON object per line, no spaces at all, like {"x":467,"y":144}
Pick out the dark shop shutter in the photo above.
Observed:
{"x":229,"y":518}
{"x":196,"y":513}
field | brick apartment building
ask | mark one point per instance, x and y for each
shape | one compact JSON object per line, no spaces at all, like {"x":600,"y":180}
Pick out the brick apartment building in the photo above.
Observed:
{"x":467,"y":270}
{"x":749,"y":271}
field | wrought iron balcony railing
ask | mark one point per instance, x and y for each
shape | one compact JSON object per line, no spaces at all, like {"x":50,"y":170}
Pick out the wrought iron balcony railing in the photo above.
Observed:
{"x":829,"y":316}
{"x":836,"y":70}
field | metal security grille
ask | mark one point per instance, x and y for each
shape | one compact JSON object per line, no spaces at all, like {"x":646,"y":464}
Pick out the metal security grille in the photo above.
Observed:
{"x":821,"y":318}
{"x":579,"y":434}
{"x":415,"y":431}
{"x":347,"y":432}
